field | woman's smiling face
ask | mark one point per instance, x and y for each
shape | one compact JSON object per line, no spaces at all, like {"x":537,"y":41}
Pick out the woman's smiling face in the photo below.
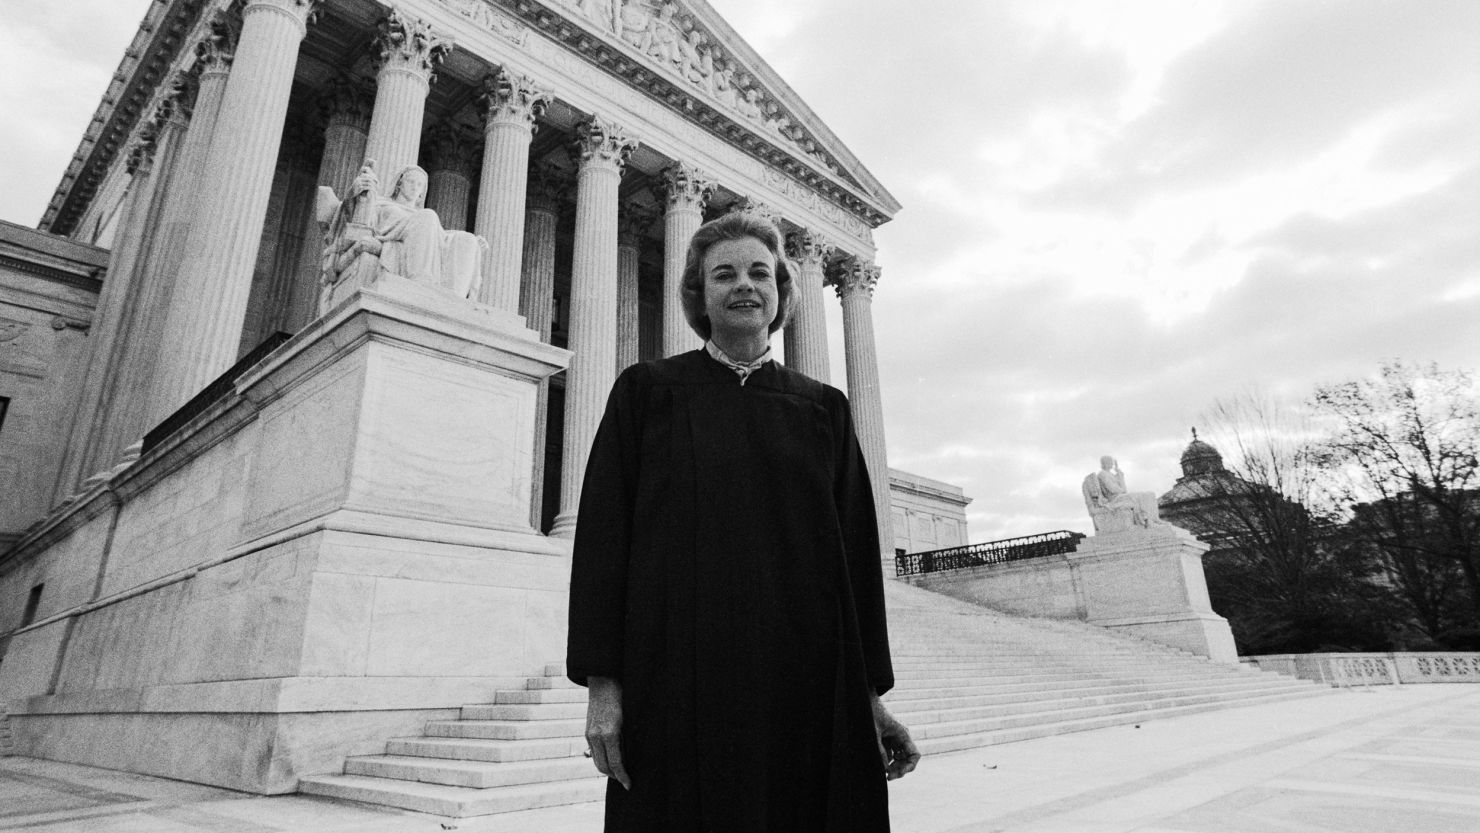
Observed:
{"x":740,"y":294}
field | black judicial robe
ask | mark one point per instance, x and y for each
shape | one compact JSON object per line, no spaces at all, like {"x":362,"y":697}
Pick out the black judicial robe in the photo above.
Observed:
{"x":726,"y":571}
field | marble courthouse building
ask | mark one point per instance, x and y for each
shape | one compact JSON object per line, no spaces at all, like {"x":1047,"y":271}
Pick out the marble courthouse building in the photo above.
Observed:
{"x":265,"y":531}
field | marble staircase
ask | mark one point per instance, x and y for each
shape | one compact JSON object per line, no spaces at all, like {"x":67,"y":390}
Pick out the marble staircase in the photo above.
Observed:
{"x":965,"y":677}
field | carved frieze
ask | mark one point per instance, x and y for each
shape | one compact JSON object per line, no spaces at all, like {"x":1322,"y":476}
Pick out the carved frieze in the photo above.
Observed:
{"x":484,"y":15}
{"x":12,"y":329}
{"x":749,"y":205}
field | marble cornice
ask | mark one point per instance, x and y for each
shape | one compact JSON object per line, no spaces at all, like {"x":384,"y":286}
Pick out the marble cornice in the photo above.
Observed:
{"x":619,"y":59}
{"x":129,"y":101}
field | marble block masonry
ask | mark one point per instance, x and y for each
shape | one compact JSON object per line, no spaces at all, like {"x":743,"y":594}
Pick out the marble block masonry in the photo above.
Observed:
{"x":335,"y":552}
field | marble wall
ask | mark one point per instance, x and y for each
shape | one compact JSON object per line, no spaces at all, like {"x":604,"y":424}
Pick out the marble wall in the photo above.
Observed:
{"x":327,"y":557}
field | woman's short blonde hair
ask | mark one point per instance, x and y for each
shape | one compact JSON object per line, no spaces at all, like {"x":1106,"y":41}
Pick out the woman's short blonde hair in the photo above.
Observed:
{"x":735,"y":226}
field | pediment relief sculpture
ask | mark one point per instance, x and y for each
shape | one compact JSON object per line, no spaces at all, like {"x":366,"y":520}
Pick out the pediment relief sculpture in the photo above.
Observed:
{"x":668,"y":35}
{"x":367,"y":235}
{"x":1114,"y":508}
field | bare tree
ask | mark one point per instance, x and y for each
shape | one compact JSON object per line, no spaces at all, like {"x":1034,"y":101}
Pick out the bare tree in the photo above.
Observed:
{"x":1404,"y":448}
{"x":1280,"y":569}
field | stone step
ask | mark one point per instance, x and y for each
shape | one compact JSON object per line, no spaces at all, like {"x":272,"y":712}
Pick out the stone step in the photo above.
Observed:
{"x":542,"y":683}
{"x":490,"y":750}
{"x":974,"y":740}
{"x":1045,"y":701}
{"x":575,"y":694}
{"x":1151,"y":705}
{"x":948,"y":714}
{"x":517,"y":729}
{"x":456,"y":802}
{"x":464,"y":773}
{"x":530,"y":711}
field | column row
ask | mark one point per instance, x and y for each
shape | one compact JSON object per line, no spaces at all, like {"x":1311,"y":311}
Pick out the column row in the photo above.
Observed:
{"x":213,"y":221}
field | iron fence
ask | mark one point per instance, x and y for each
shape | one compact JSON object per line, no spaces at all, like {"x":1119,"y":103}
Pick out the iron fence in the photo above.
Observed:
{"x":993,"y":552}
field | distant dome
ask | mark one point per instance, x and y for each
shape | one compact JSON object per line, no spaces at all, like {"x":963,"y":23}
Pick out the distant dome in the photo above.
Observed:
{"x":1200,"y":458}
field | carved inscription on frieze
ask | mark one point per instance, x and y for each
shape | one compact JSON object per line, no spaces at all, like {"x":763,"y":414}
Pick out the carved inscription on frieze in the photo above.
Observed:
{"x":491,"y":19}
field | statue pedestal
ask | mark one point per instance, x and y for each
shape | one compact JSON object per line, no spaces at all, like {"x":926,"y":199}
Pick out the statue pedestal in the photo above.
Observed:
{"x":1149,"y":583}
{"x":335,"y":552}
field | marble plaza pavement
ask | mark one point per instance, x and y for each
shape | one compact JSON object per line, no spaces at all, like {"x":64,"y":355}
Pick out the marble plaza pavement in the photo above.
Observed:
{"x":1400,"y":758}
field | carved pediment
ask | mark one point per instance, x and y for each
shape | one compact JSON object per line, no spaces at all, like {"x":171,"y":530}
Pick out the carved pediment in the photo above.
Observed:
{"x":684,"y":55}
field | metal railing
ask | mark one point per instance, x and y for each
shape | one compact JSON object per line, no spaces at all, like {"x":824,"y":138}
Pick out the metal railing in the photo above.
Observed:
{"x":993,"y":552}
{"x":222,"y":385}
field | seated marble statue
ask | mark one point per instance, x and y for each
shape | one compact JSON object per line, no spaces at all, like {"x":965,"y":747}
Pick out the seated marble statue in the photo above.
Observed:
{"x":368,"y":235}
{"x":1111,"y":506}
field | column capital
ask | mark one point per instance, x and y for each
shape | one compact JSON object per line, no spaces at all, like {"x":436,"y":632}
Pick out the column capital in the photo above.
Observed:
{"x":174,"y":107}
{"x":512,"y":99}
{"x":447,"y":147}
{"x":141,"y":152}
{"x":633,"y":221}
{"x":349,"y":100}
{"x":302,"y":12}
{"x":854,"y":278}
{"x":808,"y":248}
{"x":602,"y":142}
{"x":216,"y":50}
{"x":749,"y":205}
{"x":408,"y":44}
{"x":685,"y":186}
{"x":549,"y":187}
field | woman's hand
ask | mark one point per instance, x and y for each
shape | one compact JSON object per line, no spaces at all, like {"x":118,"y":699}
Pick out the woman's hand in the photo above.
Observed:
{"x":604,"y":728}
{"x":896,"y":749}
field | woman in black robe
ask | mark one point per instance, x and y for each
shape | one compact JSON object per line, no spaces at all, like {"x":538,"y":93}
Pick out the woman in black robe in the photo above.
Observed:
{"x":727,"y":607}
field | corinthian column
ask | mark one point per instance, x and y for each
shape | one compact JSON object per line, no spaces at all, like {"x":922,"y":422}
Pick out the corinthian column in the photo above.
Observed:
{"x":547,"y":189}
{"x":806,"y":335}
{"x":93,"y":445}
{"x":632,"y":223}
{"x":855,"y":283}
{"x":449,"y":156}
{"x":205,"y":321}
{"x":346,"y":109}
{"x":685,"y":190}
{"x":603,"y":148}
{"x":511,"y":104}
{"x":406,"y":53}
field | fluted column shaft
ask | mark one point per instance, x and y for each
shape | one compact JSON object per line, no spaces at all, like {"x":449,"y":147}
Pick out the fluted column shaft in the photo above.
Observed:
{"x":855,"y":285}
{"x":448,"y":193}
{"x":806,"y":336}
{"x":603,"y":148}
{"x":685,"y":191}
{"x":91,"y":446}
{"x":511,"y":106}
{"x":346,"y":108}
{"x":204,"y":326}
{"x":449,"y":156}
{"x":407,"y":52}
{"x":628,"y":332}
{"x":536,"y":304}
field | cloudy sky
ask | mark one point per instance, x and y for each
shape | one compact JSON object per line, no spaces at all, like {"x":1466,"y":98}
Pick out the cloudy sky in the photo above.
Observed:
{"x":1115,"y":212}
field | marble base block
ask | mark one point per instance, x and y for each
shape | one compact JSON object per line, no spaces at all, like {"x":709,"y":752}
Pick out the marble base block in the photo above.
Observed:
{"x":350,"y":556}
{"x":1144,"y":582}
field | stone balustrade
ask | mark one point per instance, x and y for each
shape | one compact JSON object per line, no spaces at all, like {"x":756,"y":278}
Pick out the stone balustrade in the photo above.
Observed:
{"x":1396,"y":668}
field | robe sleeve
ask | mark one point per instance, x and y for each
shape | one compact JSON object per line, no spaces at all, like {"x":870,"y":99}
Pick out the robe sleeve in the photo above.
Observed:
{"x":598,"y":578}
{"x":854,"y":495}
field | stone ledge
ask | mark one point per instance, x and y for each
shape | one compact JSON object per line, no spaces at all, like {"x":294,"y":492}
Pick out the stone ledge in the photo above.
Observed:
{"x":284,"y":695}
